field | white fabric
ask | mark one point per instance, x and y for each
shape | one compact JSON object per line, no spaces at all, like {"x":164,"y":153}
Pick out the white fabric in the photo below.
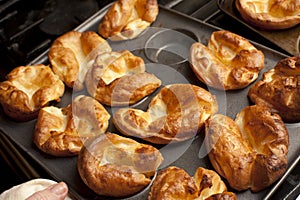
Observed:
{"x":24,"y":190}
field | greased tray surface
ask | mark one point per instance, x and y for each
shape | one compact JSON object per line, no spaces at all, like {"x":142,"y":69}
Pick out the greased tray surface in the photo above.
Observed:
{"x":288,"y":39}
{"x":188,"y":155}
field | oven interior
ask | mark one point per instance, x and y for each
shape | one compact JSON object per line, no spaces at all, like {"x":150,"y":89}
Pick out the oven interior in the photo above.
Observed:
{"x":28,"y":27}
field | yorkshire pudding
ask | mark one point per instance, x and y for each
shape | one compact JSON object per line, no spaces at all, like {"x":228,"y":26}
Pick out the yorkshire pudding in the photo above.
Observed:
{"x":62,"y":131}
{"x":249,"y":152}
{"x":175,"y":183}
{"x":126,"y":19}
{"x":113,"y":165}
{"x":71,"y":53}
{"x":270,"y":14}
{"x":228,"y":62}
{"x":119,"y":78}
{"x":279,"y":89}
{"x":28,"y":89}
{"x":176,"y":113}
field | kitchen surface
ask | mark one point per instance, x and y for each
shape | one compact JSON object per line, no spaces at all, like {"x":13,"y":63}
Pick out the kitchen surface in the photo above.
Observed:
{"x":28,"y":29}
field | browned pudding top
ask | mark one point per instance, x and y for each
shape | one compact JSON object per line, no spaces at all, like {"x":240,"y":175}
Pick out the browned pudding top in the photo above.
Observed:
{"x":251,"y":151}
{"x":28,"y":89}
{"x":120,"y":79}
{"x":228,"y":62}
{"x":126,"y":19}
{"x":270,"y":14}
{"x":113,"y":165}
{"x":176,"y":113}
{"x":174,"y":183}
{"x":71,"y":53}
{"x":279,"y":89}
{"x":62,"y":131}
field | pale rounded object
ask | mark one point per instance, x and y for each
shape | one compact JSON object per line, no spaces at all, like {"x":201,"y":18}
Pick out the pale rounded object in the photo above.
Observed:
{"x":24,"y":190}
{"x":228,"y":62}
{"x":112,"y":165}
{"x":120,"y":79}
{"x":209,"y":183}
{"x":177,"y":113}
{"x":28,"y":89}
{"x":70,"y":56}
{"x":279,"y":89}
{"x":127,"y":19}
{"x":249,"y":152}
{"x":174,"y":183}
{"x":62,"y":131}
{"x":270,"y":14}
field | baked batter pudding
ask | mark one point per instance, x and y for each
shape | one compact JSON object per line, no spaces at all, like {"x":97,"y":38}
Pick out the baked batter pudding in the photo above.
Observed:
{"x":279,"y":89}
{"x":251,"y":151}
{"x":175,"y":114}
{"x":112,"y":165}
{"x":70,"y":56}
{"x":126,"y":19}
{"x":228,"y":62}
{"x":28,"y":89}
{"x":270,"y":14}
{"x":174,"y":183}
{"x":62,"y":131}
{"x":120,"y":79}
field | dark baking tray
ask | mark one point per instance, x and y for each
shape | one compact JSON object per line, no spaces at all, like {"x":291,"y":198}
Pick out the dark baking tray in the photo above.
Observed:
{"x":287,"y":39}
{"x":188,"y":155}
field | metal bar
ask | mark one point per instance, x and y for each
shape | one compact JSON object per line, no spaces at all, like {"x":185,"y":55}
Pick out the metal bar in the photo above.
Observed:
{"x":211,"y":16}
{"x":207,"y":11}
{"x":173,"y":3}
{"x":26,"y":29}
{"x":42,"y":45}
{"x":290,"y":169}
{"x":8,"y":4}
{"x":8,"y":16}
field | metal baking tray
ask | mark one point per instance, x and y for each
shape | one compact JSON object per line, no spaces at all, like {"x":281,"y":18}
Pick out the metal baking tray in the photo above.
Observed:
{"x":288,"y":39}
{"x":168,"y":41}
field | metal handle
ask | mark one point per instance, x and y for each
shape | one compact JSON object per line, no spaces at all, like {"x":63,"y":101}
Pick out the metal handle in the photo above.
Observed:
{"x":290,"y":169}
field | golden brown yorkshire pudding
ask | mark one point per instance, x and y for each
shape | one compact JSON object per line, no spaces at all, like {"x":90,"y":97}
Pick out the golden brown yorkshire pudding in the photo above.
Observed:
{"x":211,"y":185}
{"x":28,"y":89}
{"x":175,"y":183}
{"x":71,"y":53}
{"x":126,"y":19}
{"x":119,"y":79}
{"x":62,"y":131}
{"x":249,"y":152}
{"x":113,"y":165}
{"x":175,"y":114}
{"x":270,"y":14}
{"x":228,"y":62}
{"x":279,"y":89}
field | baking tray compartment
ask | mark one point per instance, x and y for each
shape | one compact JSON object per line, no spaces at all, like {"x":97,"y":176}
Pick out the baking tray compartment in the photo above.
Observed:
{"x":171,"y":44}
{"x":188,"y":155}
